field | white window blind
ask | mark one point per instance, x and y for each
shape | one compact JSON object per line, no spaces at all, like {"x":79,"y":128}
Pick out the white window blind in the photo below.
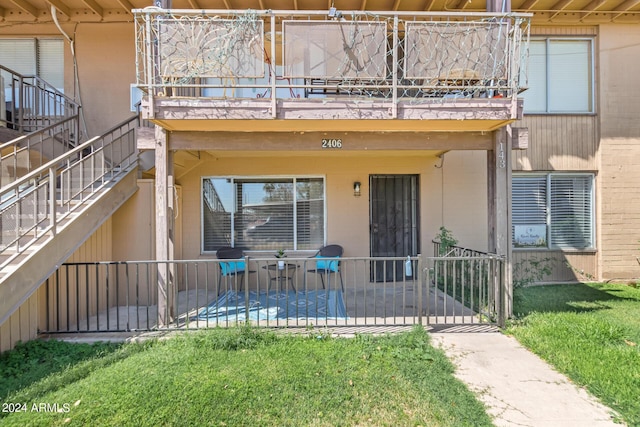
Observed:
{"x":19,"y":55}
{"x":29,"y":57}
{"x":553,"y":211}
{"x":571,"y":212}
{"x":263,"y":213}
{"x":560,"y":76}
{"x":51,"y":62}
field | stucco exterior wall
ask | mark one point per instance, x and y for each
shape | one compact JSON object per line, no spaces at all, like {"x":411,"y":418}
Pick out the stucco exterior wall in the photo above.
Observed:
{"x":453,"y":195}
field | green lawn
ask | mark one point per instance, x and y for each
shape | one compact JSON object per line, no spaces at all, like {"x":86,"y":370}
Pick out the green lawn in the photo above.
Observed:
{"x":246,"y":376}
{"x":241,"y":376}
{"x":591,"y":333}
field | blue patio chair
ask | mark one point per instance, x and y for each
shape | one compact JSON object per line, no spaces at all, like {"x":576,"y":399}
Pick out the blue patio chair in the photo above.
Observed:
{"x":325,"y":266}
{"x":232,"y":270}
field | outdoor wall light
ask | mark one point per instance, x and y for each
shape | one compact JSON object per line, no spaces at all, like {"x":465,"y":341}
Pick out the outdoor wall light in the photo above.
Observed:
{"x":356,"y":188}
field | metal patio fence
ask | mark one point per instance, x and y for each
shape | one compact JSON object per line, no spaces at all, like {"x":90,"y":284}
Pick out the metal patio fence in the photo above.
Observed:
{"x":303,"y":292}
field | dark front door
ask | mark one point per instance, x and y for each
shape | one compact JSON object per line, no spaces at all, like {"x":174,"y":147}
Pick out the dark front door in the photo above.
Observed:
{"x":394,"y":223}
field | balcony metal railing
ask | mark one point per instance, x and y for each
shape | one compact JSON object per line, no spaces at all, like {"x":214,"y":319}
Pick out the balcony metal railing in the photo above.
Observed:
{"x":29,"y":103}
{"x":123,"y":296}
{"x":37,"y":204}
{"x":421,"y":57}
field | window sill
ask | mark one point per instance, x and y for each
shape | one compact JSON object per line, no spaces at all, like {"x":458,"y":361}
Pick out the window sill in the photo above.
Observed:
{"x":564,"y":250}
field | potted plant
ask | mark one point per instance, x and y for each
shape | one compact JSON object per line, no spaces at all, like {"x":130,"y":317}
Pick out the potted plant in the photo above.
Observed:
{"x":280,"y":254}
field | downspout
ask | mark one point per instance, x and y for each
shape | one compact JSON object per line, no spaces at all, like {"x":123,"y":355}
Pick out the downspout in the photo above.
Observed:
{"x":76,"y":80}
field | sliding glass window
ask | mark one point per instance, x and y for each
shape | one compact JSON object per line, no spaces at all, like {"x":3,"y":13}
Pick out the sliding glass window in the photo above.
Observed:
{"x":560,"y":76}
{"x":263,"y":213}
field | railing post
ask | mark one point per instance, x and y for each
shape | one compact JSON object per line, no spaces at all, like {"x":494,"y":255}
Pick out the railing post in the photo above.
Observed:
{"x":394,"y":80}
{"x":420,"y":285}
{"x":502,"y":268}
{"x":245,"y":279}
{"x":21,"y":89}
{"x":274,"y":100}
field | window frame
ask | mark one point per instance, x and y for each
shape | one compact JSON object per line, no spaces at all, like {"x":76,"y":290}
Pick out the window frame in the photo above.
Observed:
{"x":266,"y":178}
{"x":592,"y":75}
{"x":548,"y":212}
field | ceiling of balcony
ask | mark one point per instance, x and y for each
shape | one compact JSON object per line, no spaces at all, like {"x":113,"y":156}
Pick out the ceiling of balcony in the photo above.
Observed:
{"x":545,"y":11}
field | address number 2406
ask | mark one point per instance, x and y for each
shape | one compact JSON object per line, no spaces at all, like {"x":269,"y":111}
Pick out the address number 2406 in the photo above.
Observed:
{"x":331,"y":143}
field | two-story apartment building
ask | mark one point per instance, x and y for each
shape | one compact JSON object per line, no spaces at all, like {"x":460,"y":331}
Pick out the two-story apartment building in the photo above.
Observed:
{"x":278,"y":125}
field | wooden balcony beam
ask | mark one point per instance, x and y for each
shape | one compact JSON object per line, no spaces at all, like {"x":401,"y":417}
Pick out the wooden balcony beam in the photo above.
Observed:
{"x":592,"y":7}
{"x":624,"y":7}
{"x":27,"y":7}
{"x":528,"y":4}
{"x":63,"y":8}
{"x":126,"y":5}
{"x":560,"y":6}
{"x":95,"y":7}
{"x":428,"y":4}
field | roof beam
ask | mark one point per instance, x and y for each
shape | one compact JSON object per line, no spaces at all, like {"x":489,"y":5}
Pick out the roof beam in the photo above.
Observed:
{"x":462,"y":4}
{"x":60,"y":6}
{"x":428,"y":4}
{"x":592,"y":7}
{"x":194,"y":4}
{"x":560,"y":6}
{"x":27,"y":7}
{"x":396,"y":5}
{"x":126,"y":6}
{"x":527,"y":5}
{"x":626,"y":5}
{"x":95,"y":7}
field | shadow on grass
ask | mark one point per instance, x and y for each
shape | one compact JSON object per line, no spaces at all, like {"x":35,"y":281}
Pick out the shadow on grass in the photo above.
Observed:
{"x":569,"y":298}
{"x":37,"y":360}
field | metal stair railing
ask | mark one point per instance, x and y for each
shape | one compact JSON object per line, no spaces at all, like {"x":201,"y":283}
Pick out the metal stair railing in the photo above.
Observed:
{"x":28,"y":152}
{"x":32,"y":103}
{"x":38,"y":203}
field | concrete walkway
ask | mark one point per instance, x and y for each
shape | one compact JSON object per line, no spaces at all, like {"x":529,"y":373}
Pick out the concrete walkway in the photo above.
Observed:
{"x":518,"y":388}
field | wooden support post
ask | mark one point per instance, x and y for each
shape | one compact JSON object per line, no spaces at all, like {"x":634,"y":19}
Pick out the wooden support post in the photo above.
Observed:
{"x":164,"y":226}
{"x":499,"y":206}
{"x":499,"y":6}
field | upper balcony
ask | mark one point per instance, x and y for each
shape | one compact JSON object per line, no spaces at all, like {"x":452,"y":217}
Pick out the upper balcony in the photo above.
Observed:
{"x":249,"y":70}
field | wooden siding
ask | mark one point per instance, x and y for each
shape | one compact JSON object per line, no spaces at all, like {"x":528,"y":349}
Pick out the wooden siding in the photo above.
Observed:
{"x":31,"y":317}
{"x":620,"y":205}
{"x":558,"y":142}
{"x":566,"y":266}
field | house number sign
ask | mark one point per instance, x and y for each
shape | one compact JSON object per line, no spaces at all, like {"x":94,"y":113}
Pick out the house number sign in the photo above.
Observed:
{"x":331,"y":143}
{"x":501,"y":156}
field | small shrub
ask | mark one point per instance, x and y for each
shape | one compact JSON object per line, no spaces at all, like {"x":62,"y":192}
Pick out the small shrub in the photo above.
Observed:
{"x":529,"y":271}
{"x":446,"y":239}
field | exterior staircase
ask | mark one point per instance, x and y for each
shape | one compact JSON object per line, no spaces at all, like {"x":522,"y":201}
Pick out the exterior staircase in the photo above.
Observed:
{"x":55,"y":191}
